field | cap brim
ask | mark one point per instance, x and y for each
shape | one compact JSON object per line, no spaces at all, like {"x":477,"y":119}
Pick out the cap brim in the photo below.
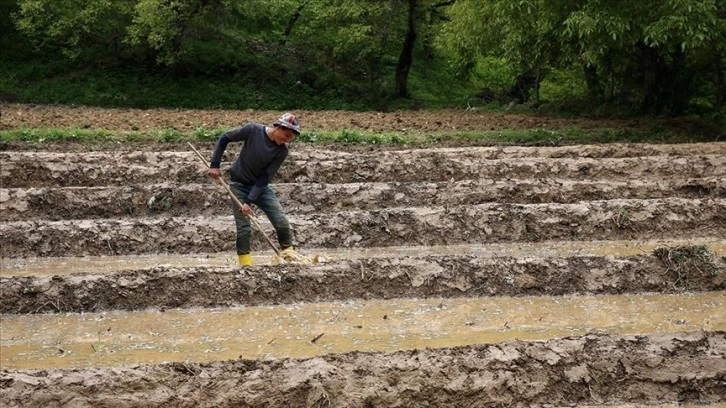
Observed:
{"x":286,"y":127}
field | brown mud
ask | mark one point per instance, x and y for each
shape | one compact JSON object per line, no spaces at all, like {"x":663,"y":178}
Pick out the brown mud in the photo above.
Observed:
{"x":588,"y":370}
{"x":46,"y":169}
{"x":430,"y":276}
{"x":77,"y":200}
{"x":176,"y":200}
{"x":18,"y":116}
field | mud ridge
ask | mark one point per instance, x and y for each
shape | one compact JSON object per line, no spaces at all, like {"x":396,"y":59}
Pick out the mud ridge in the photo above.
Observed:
{"x":585,"y":370}
{"x":101,"y":169}
{"x":169,"y":199}
{"x":431,"y":276}
{"x":435,"y":168}
{"x":595,"y":220}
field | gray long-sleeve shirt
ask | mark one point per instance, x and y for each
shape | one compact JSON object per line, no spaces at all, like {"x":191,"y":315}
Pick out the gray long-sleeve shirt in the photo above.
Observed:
{"x":258,"y":161}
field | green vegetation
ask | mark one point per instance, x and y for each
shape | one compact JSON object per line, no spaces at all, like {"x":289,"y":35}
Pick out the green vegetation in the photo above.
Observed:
{"x":585,"y":57}
{"x":499,"y":137}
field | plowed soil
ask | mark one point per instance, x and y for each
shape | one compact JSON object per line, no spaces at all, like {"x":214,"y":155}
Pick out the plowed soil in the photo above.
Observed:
{"x":79,"y":200}
{"x":16,"y":116}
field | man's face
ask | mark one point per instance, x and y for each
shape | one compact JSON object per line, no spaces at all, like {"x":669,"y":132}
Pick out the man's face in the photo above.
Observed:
{"x":285,"y":135}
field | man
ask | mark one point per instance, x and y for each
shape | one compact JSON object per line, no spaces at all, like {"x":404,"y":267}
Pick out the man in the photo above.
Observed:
{"x":264,"y":150}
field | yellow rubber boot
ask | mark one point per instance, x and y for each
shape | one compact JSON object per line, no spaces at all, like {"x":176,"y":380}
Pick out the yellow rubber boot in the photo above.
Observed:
{"x":245,"y":260}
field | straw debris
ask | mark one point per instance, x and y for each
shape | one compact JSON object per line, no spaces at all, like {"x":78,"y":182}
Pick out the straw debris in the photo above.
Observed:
{"x":293,"y":257}
{"x":687,"y":262}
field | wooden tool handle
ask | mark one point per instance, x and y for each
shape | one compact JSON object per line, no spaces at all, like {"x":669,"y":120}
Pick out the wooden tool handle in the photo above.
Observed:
{"x":238,"y":202}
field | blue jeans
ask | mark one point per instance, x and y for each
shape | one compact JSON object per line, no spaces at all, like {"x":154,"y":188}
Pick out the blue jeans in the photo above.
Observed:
{"x":270,"y":205}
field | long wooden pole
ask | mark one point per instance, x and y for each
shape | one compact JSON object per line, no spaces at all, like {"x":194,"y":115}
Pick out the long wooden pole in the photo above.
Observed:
{"x":239,"y":203}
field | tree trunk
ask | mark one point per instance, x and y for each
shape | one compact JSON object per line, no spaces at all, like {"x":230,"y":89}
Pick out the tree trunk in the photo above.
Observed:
{"x":721,"y":80}
{"x":537,"y":80}
{"x":291,"y":23}
{"x":721,"y":68}
{"x":649,"y":102}
{"x":594,"y":87}
{"x":405,"y":60}
{"x":524,"y":83}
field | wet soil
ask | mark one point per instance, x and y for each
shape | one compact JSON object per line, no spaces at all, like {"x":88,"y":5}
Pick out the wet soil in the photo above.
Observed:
{"x":193,"y":199}
{"x":420,"y":277}
{"x":76,"y":200}
{"x":594,"y":369}
{"x":599,"y":220}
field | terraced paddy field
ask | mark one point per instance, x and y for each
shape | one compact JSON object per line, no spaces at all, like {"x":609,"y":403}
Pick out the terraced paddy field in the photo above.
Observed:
{"x":449,"y":275}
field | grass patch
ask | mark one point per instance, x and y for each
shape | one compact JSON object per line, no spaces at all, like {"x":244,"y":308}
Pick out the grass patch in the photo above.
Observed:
{"x":51,"y":135}
{"x":526,"y":137}
{"x":54,"y":135}
{"x":347,"y":136}
{"x":686,"y":263}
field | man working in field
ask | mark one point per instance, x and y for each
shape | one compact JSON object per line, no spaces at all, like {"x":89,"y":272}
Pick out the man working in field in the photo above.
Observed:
{"x":265,"y":149}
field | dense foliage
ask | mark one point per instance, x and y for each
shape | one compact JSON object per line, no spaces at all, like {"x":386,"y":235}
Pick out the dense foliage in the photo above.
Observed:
{"x":643,"y":57}
{"x":659,"y":56}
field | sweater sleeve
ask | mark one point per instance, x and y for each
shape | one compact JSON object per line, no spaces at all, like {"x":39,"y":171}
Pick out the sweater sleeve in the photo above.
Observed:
{"x":233,"y":135}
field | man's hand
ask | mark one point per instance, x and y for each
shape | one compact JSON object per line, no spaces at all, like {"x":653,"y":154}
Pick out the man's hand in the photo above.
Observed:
{"x":246,"y":210}
{"x":214,"y":173}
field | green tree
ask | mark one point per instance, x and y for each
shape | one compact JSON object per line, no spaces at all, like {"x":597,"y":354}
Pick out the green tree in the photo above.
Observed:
{"x":174,"y":29}
{"x":655,"y":55}
{"x":77,"y":28}
{"x":662,"y":53}
{"x":368,"y":39}
{"x":526,"y":34}
{"x":421,"y":16}
{"x":353,"y":37}
{"x":346,"y":45}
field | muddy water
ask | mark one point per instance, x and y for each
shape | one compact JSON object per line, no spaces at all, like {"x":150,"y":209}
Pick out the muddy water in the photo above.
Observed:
{"x":302,"y":330}
{"x":106,"y":264}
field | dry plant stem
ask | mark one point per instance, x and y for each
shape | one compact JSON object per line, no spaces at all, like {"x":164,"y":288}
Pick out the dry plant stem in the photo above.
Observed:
{"x":238,"y":202}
